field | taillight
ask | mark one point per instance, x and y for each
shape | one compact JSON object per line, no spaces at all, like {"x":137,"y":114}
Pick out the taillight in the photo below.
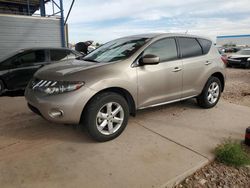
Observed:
{"x":224,"y":59}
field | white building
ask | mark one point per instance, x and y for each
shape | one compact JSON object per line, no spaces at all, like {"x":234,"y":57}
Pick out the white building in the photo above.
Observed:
{"x":239,"y":40}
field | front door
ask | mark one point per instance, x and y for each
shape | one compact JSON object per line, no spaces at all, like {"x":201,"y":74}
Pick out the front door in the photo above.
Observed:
{"x":162,"y":82}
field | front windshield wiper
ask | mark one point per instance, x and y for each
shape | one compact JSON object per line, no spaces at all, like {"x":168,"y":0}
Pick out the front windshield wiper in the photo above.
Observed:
{"x":91,"y":60}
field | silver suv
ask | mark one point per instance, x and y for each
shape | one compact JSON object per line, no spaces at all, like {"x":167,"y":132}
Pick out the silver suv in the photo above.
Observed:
{"x":125,"y":75}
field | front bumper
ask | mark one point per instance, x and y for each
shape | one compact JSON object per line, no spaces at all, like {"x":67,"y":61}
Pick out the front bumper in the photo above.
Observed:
{"x":70,"y":104}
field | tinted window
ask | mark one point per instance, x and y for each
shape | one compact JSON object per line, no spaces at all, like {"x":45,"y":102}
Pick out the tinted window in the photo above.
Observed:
{"x":206,"y":45}
{"x":58,"y":55}
{"x":31,"y":57}
{"x":189,"y":47}
{"x":6,"y":64}
{"x":165,"y":49}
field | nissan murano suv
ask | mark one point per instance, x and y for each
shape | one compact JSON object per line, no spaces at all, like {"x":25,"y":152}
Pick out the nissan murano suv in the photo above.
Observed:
{"x":125,"y":75}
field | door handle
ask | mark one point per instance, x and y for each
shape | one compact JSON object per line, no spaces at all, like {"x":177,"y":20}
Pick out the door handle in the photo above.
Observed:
{"x":177,"y":69}
{"x":208,"y":62}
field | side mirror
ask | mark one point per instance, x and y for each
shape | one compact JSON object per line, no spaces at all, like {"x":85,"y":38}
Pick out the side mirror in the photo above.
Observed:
{"x":149,"y":59}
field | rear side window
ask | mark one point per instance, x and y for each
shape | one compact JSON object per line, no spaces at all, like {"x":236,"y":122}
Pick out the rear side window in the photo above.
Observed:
{"x":59,"y":55}
{"x":165,"y":49}
{"x":189,"y":47}
{"x":71,"y":55}
{"x":205,"y":44}
{"x":32,"y":57}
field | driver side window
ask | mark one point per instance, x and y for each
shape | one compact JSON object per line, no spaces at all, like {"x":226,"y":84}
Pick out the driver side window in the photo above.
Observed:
{"x":27,"y":59}
{"x":165,"y":49}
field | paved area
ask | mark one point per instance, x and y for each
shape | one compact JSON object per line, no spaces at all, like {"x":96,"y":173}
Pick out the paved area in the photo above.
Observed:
{"x":159,"y":147}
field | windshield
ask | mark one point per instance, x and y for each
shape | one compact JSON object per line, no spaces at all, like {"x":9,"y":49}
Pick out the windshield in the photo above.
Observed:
{"x":244,"y":52}
{"x":116,"y":50}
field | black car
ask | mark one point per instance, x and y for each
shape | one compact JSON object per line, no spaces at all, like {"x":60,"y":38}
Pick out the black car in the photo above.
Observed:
{"x":240,"y":59}
{"x":18,"y":68}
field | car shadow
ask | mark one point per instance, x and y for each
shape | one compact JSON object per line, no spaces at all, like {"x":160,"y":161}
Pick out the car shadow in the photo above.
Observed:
{"x":29,"y":127}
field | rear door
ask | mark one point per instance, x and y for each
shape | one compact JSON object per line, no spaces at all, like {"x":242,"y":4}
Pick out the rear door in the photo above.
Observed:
{"x":195,"y":65}
{"x":162,"y":82}
{"x":23,"y":67}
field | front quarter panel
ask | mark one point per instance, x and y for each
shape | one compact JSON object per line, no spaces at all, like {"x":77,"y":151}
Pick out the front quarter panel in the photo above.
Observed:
{"x":119,"y":75}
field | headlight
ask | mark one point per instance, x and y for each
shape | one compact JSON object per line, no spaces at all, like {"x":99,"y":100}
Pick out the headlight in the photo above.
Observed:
{"x":248,"y":59}
{"x":55,"y":87}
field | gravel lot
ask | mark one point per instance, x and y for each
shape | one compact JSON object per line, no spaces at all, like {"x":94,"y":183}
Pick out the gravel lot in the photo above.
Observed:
{"x":217,"y":175}
{"x":237,"y":89}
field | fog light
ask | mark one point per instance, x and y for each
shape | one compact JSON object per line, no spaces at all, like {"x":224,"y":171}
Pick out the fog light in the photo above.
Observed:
{"x":56,"y":113}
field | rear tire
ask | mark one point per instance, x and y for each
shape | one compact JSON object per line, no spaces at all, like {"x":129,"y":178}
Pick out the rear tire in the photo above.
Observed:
{"x":210,"y":94}
{"x":247,"y":65}
{"x":2,"y":87}
{"x":106,"y":116}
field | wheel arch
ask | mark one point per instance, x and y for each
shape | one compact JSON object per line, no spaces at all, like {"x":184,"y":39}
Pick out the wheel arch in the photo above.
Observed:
{"x":121,"y":91}
{"x":220,"y":76}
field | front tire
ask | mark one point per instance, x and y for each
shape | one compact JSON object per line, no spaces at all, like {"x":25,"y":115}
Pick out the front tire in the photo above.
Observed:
{"x":247,"y":65}
{"x":210,"y":94}
{"x":106,"y":116}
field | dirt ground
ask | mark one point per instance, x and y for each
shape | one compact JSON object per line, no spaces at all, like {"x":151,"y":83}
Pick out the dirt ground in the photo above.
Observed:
{"x":237,"y":89}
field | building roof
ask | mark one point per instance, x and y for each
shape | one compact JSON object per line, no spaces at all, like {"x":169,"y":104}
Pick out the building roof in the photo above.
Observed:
{"x":232,"y":36}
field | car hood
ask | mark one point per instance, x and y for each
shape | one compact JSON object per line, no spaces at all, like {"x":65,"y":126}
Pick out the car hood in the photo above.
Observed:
{"x":65,"y":68}
{"x":239,"y":56}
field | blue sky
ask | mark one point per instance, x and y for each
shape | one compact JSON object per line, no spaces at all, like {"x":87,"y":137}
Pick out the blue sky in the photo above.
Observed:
{"x":101,"y":21}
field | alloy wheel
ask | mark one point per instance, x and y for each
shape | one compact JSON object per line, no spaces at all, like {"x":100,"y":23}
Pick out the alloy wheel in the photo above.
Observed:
{"x":109,"y":118}
{"x":213,"y":92}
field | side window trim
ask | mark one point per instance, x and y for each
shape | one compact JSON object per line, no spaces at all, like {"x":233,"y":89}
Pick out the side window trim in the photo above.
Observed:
{"x":200,"y":46}
{"x":190,"y":38}
{"x":49,"y":55}
{"x":178,"y":48}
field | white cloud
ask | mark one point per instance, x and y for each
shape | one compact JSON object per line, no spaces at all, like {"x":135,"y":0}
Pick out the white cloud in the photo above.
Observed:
{"x":104,"y":20}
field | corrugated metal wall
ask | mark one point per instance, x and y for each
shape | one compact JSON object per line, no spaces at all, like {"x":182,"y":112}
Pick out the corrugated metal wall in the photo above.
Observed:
{"x":18,"y":32}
